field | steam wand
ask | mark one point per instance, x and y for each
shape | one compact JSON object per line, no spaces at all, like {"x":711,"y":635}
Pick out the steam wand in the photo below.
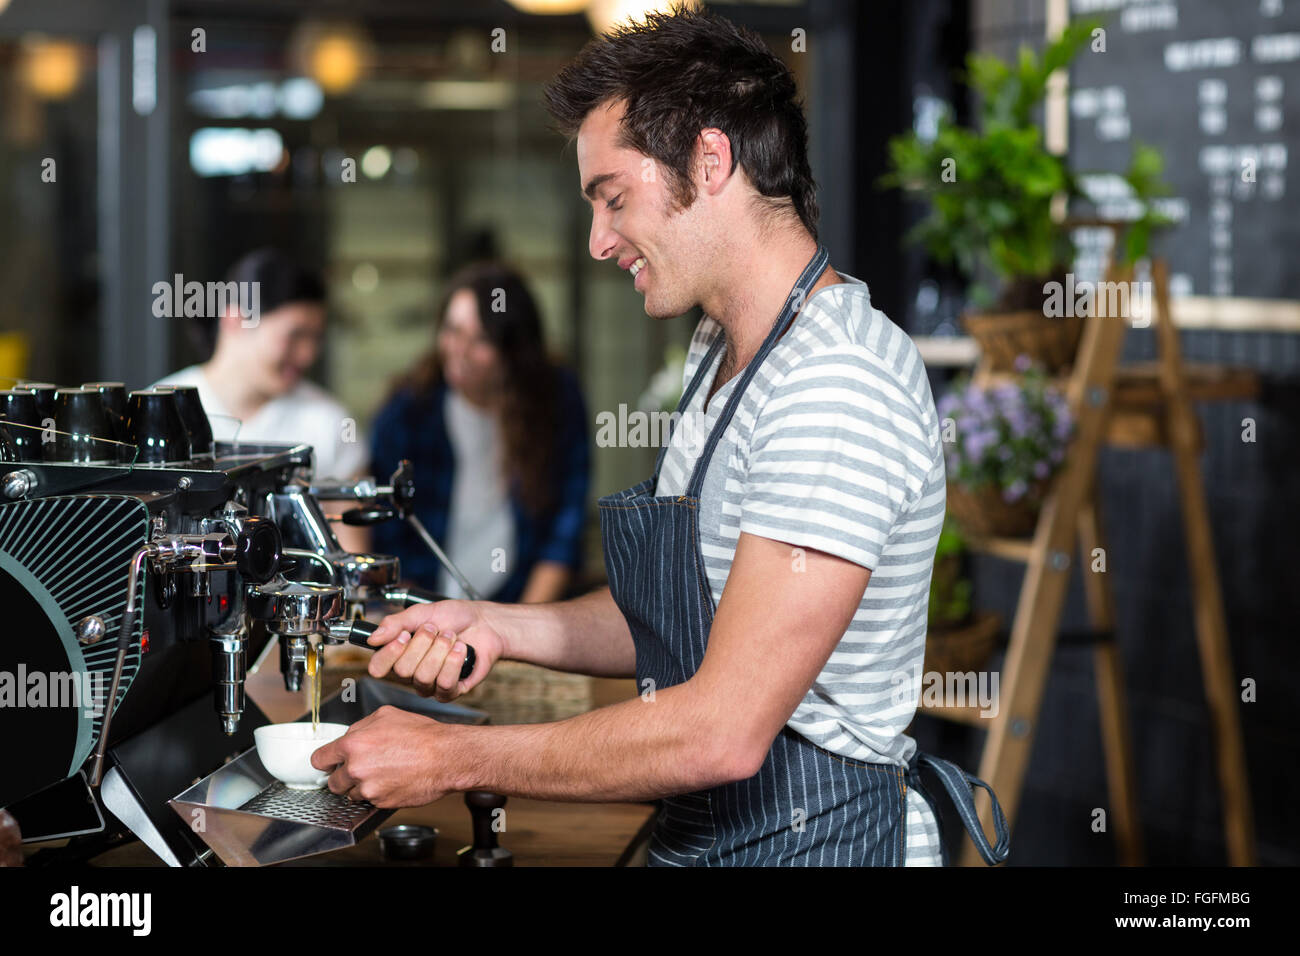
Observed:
{"x":454,"y":571}
{"x":123,"y":645}
{"x":401,"y":491}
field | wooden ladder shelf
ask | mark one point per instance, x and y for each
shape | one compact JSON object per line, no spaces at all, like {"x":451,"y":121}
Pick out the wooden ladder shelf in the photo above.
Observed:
{"x":1130,"y":406}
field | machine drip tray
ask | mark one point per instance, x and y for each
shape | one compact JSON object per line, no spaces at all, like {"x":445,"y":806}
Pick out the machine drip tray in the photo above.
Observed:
{"x":317,"y":807}
{"x":249,"y":818}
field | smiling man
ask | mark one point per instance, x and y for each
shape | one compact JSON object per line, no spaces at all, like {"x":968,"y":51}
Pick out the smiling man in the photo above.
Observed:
{"x":768,"y":586}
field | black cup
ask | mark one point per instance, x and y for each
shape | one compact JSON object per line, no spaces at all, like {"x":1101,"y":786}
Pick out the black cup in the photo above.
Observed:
{"x":8,"y":450}
{"x":44,"y":392}
{"x":114,"y":395}
{"x":195,"y":418}
{"x":154,"y":426}
{"x":85,"y":430}
{"x":19,"y":408}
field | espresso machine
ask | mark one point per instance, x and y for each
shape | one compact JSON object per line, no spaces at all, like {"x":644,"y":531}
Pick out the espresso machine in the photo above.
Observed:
{"x":146,"y":565}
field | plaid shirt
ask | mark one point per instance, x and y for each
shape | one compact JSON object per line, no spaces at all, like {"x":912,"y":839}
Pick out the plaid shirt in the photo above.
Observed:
{"x":414,"y":426}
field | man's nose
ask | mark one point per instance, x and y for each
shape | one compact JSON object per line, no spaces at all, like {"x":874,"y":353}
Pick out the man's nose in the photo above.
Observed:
{"x":603,"y":239}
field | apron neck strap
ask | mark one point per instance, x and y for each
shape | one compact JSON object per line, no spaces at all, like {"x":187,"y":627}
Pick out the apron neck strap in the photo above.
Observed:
{"x":684,"y":402}
{"x":793,"y":303}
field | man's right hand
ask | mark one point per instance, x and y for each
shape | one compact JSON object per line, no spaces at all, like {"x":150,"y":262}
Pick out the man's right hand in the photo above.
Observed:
{"x":426,"y":644}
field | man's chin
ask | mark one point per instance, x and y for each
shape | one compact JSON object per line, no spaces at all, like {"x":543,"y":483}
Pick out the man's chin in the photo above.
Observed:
{"x":657,"y":310}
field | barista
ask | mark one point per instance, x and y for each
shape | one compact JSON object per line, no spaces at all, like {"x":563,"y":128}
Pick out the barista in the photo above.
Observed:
{"x":767,"y":589}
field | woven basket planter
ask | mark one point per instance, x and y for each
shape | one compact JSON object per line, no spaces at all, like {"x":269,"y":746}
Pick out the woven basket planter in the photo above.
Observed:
{"x":984,"y":512}
{"x":1048,"y":341}
{"x":961,"y":649}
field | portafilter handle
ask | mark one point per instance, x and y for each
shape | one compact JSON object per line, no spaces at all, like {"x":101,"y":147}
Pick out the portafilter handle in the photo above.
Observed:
{"x":357,"y":631}
{"x":411,"y":596}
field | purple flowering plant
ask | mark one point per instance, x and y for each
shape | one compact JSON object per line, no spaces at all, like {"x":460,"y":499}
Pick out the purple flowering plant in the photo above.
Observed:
{"x":1011,"y":436}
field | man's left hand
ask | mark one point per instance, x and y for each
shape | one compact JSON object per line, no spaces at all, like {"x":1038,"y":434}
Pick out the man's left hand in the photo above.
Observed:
{"x":392,"y":758}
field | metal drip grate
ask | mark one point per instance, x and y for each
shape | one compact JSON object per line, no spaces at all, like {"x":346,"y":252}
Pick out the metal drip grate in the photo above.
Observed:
{"x":317,"y":807}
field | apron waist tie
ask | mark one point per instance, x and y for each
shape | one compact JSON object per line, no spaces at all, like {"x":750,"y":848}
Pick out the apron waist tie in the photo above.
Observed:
{"x":958,"y":783}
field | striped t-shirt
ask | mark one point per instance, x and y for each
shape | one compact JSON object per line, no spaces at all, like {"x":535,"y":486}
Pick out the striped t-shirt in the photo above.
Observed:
{"x":835,"y":446}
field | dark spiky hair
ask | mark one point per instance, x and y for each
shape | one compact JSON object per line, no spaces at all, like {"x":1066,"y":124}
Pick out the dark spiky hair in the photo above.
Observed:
{"x":684,"y":71}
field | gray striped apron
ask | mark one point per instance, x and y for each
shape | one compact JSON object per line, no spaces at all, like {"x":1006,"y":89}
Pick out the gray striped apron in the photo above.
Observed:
{"x":805,"y":806}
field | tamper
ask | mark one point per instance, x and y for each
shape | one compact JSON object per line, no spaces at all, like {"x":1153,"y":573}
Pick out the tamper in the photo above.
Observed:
{"x":485,"y":851}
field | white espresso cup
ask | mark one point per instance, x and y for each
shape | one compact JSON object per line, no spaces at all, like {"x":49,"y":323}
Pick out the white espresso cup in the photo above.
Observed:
{"x":285,"y":751}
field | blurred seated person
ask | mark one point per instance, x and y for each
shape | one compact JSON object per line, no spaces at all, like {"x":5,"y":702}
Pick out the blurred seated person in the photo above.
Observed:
{"x":498,"y":437}
{"x":254,"y":382}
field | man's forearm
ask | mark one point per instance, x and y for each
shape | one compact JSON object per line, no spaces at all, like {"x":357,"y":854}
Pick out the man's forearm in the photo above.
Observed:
{"x":585,"y":635}
{"x":636,"y":750}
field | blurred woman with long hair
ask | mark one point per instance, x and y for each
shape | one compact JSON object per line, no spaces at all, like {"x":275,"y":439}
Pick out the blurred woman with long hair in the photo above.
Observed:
{"x":498,"y":437}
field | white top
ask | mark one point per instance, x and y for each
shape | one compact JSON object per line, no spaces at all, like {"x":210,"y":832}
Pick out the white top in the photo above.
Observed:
{"x":480,"y":537}
{"x":835,"y":446}
{"x":307,"y":414}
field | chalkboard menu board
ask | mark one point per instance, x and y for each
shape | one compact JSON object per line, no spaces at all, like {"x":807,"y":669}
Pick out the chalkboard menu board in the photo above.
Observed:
{"x":1215,"y":86}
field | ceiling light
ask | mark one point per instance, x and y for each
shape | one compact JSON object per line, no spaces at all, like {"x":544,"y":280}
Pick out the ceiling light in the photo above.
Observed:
{"x":335,"y":55}
{"x":549,"y":7}
{"x":375,"y":162}
{"x":51,"y":68}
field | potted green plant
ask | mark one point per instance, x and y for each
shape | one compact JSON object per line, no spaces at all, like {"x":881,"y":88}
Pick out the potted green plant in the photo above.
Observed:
{"x":991,"y":192}
{"x":959,"y":638}
{"x":1003,"y":443}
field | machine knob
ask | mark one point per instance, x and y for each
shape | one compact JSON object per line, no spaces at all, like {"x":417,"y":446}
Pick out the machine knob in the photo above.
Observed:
{"x":403,"y":485}
{"x":18,"y":484}
{"x":258,"y":550}
{"x":363,"y":517}
{"x":91,"y":630}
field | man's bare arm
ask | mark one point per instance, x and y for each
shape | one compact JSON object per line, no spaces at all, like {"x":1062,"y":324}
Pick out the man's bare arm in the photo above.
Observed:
{"x":585,"y":635}
{"x":773,"y":632}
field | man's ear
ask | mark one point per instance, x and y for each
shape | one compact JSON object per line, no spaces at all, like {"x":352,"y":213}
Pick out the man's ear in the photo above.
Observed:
{"x":713,"y":159}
